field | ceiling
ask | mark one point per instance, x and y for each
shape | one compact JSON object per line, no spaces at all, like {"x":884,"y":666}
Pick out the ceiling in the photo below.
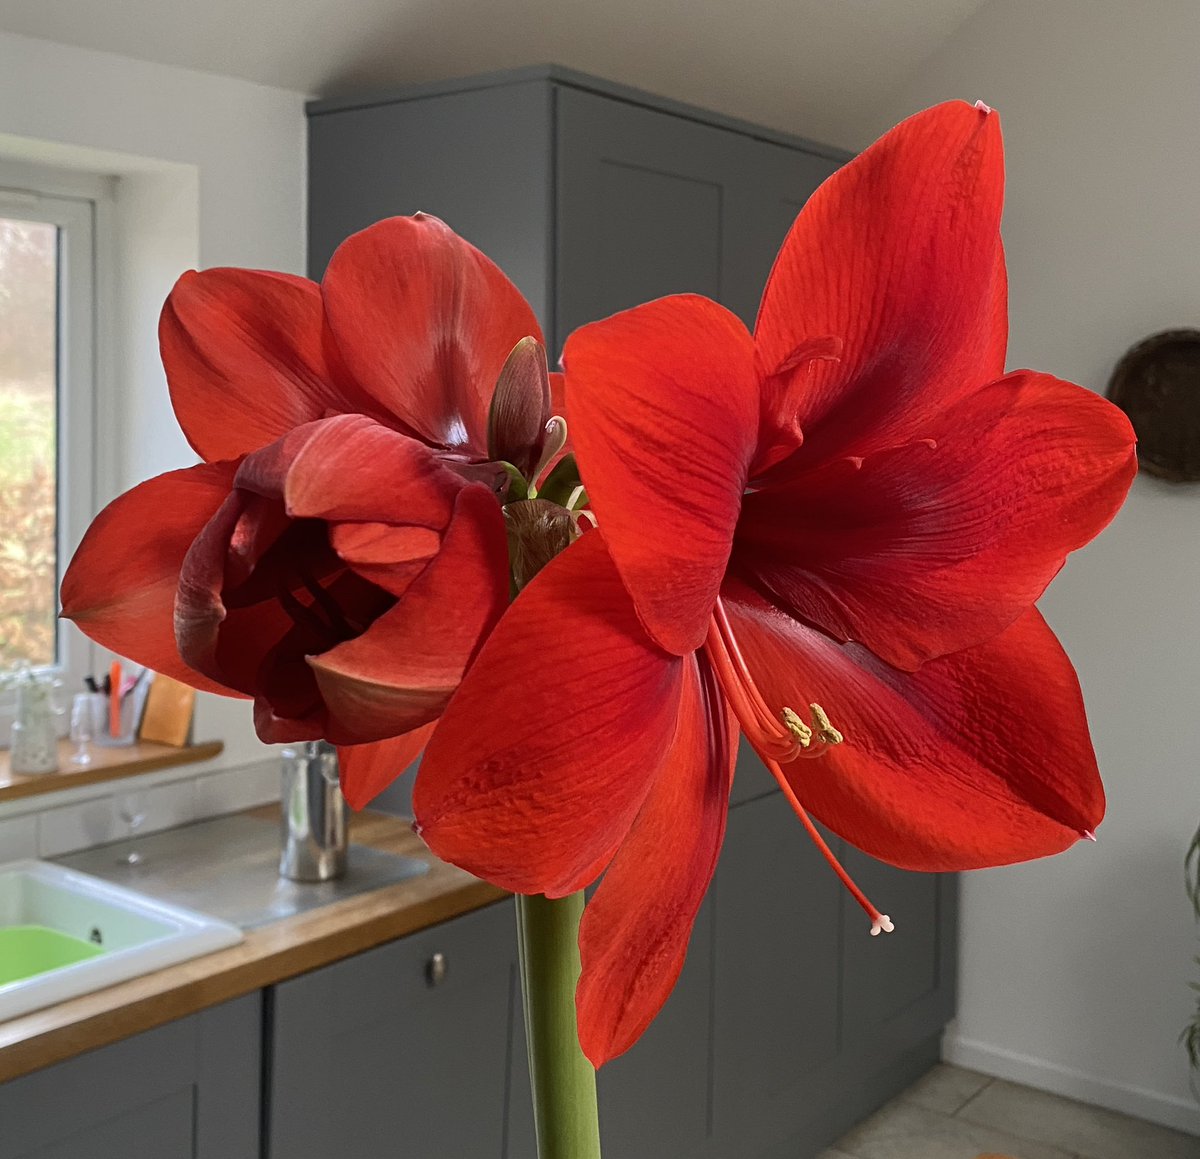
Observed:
{"x":813,"y":67}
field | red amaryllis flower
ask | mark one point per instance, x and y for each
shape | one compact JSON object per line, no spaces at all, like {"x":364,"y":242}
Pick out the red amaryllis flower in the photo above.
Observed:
{"x":830,"y":533}
{"x":341,"y":553}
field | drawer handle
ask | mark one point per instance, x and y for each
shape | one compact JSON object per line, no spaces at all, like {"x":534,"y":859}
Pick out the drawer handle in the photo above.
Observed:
{"x":435,"y":969}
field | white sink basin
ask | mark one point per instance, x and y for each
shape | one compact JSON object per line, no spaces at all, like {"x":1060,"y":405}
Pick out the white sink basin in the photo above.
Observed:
{"x":47,"y":911}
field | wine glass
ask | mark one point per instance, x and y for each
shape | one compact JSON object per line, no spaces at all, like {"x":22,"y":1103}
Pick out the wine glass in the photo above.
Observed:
{"x":83,"y":727}
{"x":132,"y":810}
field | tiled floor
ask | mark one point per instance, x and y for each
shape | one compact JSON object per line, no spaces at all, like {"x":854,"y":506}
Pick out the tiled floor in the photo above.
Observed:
{"x":958,"y":1114}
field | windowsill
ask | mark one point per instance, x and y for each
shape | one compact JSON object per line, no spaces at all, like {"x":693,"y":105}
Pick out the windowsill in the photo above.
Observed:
{"x":108,"y":764}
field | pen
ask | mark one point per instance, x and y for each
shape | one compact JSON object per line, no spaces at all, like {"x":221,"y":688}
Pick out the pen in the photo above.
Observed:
{"x":114,"y":699}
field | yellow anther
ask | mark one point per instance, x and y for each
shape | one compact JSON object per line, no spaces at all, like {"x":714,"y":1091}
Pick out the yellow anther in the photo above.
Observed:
{"x":796,"y":727}
{"x":825,"y":731}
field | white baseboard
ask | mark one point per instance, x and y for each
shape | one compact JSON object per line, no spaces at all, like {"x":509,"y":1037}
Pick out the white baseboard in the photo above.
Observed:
{"x":1166,"y":1110}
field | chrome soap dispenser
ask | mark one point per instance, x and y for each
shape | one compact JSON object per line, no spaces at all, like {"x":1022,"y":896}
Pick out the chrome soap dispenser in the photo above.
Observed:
{"x":314,"y":814}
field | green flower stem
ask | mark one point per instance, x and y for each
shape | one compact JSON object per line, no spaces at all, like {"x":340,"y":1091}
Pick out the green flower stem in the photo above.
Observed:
{"x":563,"y":1081}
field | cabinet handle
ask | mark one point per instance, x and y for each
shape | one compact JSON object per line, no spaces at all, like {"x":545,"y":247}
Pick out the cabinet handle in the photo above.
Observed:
{"x":435,"y":969}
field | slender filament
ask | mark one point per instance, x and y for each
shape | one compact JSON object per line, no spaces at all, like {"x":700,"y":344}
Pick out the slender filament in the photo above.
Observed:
{"x":880,"y":922}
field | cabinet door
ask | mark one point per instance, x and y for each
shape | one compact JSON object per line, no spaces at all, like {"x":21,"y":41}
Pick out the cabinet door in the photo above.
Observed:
{"x":639,"y":206}
{"x":771,"y":186}
{"x":478,"y":159}
{"x":402,"y":1051}
{"x":651,"y":203}
{"x":777,"y":914}
{"x":654,"y":1099}
{"x":901,"y":988}
{"x":187,"y":1090}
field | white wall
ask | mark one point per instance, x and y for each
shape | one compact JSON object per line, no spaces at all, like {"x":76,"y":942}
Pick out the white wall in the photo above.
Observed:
{"x":211,"y":171}
{"x":1074,"y":970}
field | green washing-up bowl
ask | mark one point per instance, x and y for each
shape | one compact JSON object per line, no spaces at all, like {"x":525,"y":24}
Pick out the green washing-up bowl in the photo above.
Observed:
{"x":29,"y":950}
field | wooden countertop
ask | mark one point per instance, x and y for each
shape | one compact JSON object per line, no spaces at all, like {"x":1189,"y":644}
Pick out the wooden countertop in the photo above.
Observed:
{"x":107,"y":764}
{"x":268,"y":955}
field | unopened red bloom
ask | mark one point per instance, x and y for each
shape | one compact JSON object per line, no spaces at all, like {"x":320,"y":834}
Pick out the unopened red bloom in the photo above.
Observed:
{"x":341,"y":552}
{"x":829,"y":534}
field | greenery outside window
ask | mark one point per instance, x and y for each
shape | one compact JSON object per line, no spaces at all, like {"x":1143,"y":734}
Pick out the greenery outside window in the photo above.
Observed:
{"x":47,"y":417}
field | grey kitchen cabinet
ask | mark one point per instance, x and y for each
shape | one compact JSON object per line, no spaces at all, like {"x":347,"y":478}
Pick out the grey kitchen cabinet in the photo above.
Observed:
{"x":777,"y":977}
{"x":650,"y":203}
{"x":417,"y":1049}
{"x":403,"y":1051}
{"x":592,"y":197}
{"x":186,"y":1090}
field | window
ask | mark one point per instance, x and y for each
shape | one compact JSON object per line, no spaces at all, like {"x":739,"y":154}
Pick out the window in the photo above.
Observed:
{"x":47,"y":399}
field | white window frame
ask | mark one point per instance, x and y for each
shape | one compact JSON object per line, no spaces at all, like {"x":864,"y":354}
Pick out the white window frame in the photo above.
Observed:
{"x":79,"y":205}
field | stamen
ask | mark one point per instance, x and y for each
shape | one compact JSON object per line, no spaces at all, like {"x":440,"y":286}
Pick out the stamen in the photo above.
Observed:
{"x":825,"y":730}
{"x":796,"y":726}
{"x":761,"y":725}
{"x":1087,"y":835}
{"x":880,"y":922}
{"x":766,"y":733}
{"x":742,"y":671}
{"x":301,"y":613}
{"x":326,"y":602}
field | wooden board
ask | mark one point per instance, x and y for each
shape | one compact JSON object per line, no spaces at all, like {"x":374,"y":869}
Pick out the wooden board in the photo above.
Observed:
{"x":107,"y":764}
{"x":168,"y":715}
{"x":268,"y":955}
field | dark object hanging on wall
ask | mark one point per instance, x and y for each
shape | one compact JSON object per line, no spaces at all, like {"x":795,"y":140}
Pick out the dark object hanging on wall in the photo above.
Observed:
{"x":1157,"y":384}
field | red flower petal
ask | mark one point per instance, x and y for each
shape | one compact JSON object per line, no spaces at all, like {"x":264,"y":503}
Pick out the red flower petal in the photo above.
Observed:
{"x":120,"y":585}
{"x":548,"y":750}
{"x":663,"y":409}
{"x":980,"y":758}
{"x":897,"y":255}
{"x":635,"y":930}
{"x":391,"y":557}
{"x":425,"y":322}
{"x":351,"y":468}
{"x":922,"y":550}
{"x":234,"y":658}
{"x":247,"y":358}
{"x":400,"y":673}
{"x":367,"y":769}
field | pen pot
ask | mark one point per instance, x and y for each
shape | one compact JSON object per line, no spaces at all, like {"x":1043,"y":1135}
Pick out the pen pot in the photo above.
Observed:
{"x":130,"y":710}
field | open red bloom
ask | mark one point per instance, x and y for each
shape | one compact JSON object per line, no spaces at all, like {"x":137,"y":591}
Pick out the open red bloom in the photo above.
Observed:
{"x":341,"y":553}
{"x":852,"y":509}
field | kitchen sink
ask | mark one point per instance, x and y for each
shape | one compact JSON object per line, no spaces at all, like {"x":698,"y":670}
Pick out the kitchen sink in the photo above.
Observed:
{"x":229,"y":867}
{"x":64,"y":933}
